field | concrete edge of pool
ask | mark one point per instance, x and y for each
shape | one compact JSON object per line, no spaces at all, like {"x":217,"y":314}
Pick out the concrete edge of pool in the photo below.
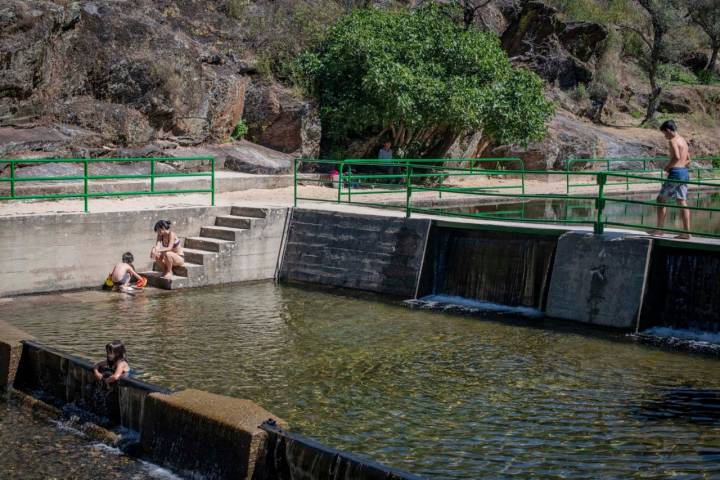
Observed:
{"x":190,"y":431}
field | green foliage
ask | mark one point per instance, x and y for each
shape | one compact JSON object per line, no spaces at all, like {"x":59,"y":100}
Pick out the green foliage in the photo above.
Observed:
{"x":637,"y":114}
{"x":670,"y":72}
{"x":707,"y":77}
{"x":411,"y":73}
{"x":241,"y":129}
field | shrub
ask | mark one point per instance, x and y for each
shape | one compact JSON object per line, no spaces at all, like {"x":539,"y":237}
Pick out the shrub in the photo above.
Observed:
{"x":240,"y":130}
{"x":410,"y":73}
{"x":706,"y":77}
{"x":671,"y":72}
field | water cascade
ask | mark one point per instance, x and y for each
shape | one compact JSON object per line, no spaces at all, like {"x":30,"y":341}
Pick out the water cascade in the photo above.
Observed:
{"x":683,"y":290}
{"x":510,"y":269}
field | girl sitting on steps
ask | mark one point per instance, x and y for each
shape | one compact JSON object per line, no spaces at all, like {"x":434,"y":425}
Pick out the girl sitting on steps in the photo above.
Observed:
{"x":167,"y":250}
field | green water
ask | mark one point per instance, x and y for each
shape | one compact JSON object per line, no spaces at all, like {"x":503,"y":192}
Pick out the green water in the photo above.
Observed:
{"x":438,"y":395}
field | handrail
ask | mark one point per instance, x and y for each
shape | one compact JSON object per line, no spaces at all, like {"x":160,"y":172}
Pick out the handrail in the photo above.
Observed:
{"x":86,"y":177}
{"x":416,"y":178}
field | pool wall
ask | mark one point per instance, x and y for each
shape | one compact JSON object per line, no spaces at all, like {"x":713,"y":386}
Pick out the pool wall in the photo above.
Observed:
{"x":48,"y":253}
{"x":365,"y":252}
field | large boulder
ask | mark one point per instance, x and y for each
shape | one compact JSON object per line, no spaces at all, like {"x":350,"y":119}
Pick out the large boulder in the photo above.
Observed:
{"x":570,"y":138}
{"x":278,"y":119}
{"x":130,"y":70}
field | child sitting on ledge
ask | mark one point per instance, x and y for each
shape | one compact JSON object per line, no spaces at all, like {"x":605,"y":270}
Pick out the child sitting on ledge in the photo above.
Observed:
{"x":115,"y":364}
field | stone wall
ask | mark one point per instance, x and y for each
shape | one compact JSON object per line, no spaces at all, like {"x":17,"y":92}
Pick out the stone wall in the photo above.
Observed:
{"x":366,"y":252}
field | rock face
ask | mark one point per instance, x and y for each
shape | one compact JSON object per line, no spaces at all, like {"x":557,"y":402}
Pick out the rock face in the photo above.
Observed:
{"x":559,"y":52}
{"x":278,"y":119}
{"x":77,"y":76}
{"x":569,"y":137}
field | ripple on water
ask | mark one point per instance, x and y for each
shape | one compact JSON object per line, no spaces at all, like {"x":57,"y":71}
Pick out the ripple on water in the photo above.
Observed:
{"x":435,"y":394}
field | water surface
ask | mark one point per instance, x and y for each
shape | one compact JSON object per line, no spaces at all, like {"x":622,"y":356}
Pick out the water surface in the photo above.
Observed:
{"x":440,"y":395}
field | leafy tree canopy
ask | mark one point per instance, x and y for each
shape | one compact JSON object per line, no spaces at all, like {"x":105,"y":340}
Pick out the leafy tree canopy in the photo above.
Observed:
{"x":411,"y":73}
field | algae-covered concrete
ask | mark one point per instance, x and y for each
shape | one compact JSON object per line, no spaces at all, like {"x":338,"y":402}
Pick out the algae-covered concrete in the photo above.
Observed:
{"x":197,"y":431}
{"x":599,"y":279}
{"x":10,"y":352}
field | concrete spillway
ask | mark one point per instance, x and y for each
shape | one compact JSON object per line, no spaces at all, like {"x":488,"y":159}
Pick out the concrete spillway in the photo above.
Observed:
{"x":505,"y":268}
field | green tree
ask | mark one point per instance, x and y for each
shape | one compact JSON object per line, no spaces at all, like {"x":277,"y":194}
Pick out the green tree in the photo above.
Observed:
{"x":706,"y":15}
{"x":657,"y":18}
{"x":416,"y":76}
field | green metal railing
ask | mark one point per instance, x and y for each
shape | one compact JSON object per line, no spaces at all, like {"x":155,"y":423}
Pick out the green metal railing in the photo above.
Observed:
{"x":597,"y":209}
{"x":86,"y":177}
{"x":357,"y":178}
{"x":648,"y":167}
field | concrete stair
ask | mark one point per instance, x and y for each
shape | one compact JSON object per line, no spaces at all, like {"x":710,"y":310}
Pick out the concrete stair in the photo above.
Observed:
{"x":204,"y":253}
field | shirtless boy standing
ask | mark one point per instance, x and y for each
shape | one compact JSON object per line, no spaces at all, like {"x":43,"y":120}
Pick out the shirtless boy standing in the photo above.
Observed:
{"x":677,"y":169}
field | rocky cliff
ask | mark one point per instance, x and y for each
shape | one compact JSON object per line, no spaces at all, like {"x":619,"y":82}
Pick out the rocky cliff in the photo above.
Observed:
{"x":159,"y":77}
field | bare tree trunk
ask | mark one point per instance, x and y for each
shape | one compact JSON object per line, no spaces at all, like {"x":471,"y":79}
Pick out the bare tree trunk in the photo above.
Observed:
{"x":713,"y":57}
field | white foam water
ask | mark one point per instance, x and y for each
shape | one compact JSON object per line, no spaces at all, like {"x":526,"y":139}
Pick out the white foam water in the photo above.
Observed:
{"x":684,"y":334}
{"x":153,"y":470}
{"x":448,"y":302}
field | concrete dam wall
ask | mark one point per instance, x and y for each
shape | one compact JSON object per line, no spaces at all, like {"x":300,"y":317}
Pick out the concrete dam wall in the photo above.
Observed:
{"x":197,"y":434}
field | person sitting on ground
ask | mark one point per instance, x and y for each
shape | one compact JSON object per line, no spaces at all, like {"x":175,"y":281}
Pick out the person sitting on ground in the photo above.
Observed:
{"x":115,"y":364}
{"x":123,"y":272}
{"x":677,"y":169}
{"x":167,"y":250}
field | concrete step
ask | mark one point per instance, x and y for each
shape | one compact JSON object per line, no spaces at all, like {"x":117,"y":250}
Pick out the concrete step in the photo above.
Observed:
{"x":191,"y":270}
{"x":233,"y":221}
{"x":248,"y":212}
{"x":222,"y":233}
{"x":175,"y":282}
{"x":200,"y":257}
{"x":208,"y":244}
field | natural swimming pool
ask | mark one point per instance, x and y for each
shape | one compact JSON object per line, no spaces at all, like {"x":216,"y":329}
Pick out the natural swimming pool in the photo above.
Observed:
{"x":438,"y":395}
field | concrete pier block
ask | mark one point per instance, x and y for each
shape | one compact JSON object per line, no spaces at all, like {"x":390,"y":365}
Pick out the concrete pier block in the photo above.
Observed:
{"x":10,"y":351}
{"x":599,"y":279}
{"x":212,"y":435}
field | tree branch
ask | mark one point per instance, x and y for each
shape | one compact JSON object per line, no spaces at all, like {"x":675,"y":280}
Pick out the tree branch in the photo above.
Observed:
{"x":640,"y":34}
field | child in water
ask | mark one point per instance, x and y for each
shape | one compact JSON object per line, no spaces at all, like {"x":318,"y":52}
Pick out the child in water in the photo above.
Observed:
{"x":123,"y":272}
{"x":114,"y":366}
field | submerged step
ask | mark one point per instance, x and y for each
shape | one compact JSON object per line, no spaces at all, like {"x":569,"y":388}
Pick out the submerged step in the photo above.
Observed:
{"x":234,"y":221}
{"x":173,"y":283}
{"x":248,"y":212}
{"x":222,"y":233}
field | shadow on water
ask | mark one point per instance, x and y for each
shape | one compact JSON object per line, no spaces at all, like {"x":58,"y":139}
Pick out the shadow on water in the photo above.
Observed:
{"x":700,"y":406}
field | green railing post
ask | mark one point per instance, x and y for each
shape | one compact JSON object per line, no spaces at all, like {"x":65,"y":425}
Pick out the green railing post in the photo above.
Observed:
{"x":152,"y":175}
{"x":12,"y":178}
{"x":340,"y":180}
{"x":567,"y":177}
{"x":442,"y":176}
{"x":212,"y":181}
{"x":295,"y":182}
{"x":600,"y":203}
{"x":349,"y":187}
{"x":408,"y":190}
{"x":85,"y":182}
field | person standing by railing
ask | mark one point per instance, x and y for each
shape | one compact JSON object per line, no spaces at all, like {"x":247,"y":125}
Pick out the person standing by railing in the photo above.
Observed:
{"x":677,"y":169}
{"x":386,"y":155}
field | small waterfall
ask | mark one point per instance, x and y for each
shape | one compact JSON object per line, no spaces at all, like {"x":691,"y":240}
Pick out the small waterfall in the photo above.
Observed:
{"x":67,"y":382}
{"x":511,"y":269}
{"x":683,"y":290}
{"x":290,"y":456}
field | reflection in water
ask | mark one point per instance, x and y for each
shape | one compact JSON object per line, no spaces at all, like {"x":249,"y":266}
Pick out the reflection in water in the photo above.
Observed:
{"x":438,"y":395}
{"x":584,"y":211}
{"x":695,"y":405}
